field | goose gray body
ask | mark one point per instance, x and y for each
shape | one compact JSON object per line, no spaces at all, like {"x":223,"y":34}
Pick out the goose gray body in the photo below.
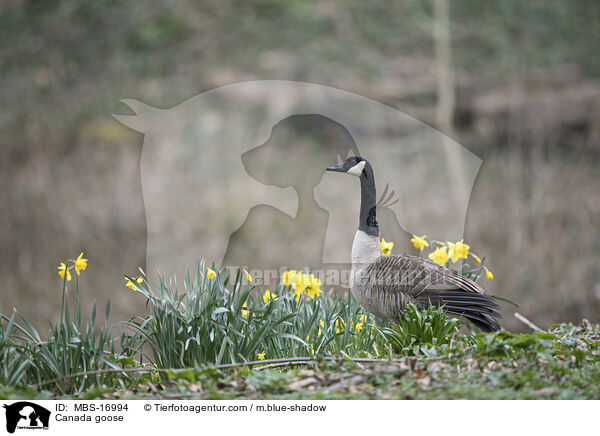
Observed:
{"x":384,"y":285}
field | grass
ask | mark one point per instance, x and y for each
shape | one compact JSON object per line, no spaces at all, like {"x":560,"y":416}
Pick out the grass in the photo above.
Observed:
{"x":209,"y":341}
{"x":419,"y":331}
{"x":222,"y":321}
{"x":27,"y":359}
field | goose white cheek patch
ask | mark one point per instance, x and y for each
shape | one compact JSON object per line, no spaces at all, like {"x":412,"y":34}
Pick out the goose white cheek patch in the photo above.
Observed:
{"x":357,"y":169}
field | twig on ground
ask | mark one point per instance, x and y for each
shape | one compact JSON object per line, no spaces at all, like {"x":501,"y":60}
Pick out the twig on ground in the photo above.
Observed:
{"x":95,"y":372}
{"x":350,"y":358}
{"x":527,"y":322}
{"x":265,"y":362}
{"x":280,"y":364}
{"x":269,"y":363}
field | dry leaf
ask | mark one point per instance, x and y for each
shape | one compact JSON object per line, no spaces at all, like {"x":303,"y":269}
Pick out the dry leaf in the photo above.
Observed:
{"x":419,"y":373}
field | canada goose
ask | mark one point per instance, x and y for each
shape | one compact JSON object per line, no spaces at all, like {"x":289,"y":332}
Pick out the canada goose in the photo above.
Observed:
{"x":384,"y":285}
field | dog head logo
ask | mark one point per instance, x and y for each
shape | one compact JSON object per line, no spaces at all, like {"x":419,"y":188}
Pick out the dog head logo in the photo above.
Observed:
{"x":242,"y":167}
{"x":26,"y":415}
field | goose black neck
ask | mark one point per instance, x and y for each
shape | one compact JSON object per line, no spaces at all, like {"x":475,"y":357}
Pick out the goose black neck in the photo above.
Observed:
{"x":368,"y":200}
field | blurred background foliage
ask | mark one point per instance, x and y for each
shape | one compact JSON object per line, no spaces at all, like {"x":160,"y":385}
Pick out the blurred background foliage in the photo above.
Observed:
{"x":527,"y":102}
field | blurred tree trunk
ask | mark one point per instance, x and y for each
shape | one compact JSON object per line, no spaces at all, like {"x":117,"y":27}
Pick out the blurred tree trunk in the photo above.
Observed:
{"x":446,"y":100}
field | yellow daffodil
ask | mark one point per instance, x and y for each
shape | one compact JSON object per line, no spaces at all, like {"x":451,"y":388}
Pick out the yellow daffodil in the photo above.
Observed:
{"x":440,"y":255}
{"x":323,"y":326}
{"x":261,"y":356}
{"x":268,"y":296}
{"x":386,"y":247}
{"x":308,"y":285}
{"x":314,"y":287}
{"x":458,"y":250}
{"x":62,"y":269}
{"x":287,"y":277}
{"x":488,"y":274}
{"x":298,"y":285}
{"x":248,"y":276}
{"x":245,"y":310}
{"x":477,"y":259}
{"x":210,"y":273}
{"x":358,"y":327}
{"x":362,"y":318}
{"x":339,"y":323}
{"x":80,"y":263}
{"x":130,"y":284}
{"x":419,"y":242}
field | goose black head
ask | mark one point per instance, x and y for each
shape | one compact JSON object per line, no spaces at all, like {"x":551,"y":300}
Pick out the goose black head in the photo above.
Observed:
{"x":359,"y":167}
{"x":354,"y":165}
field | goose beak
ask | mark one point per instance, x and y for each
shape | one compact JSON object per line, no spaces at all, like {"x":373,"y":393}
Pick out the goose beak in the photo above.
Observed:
{"x":338,"y":168}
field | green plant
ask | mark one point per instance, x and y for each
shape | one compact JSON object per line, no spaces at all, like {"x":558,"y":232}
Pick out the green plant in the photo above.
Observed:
{"x":194,"y":336}
{"x":71,"y":347}
{"x":215,"y":321}
{"x":420,"y":329}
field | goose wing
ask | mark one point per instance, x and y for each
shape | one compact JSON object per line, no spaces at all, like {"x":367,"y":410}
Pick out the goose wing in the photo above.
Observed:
{"x":423,"y":282}
{"x":415,"y":276}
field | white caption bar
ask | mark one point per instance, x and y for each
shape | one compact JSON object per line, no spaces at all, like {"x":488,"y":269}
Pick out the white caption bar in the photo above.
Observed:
{"x":291,"y":417}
